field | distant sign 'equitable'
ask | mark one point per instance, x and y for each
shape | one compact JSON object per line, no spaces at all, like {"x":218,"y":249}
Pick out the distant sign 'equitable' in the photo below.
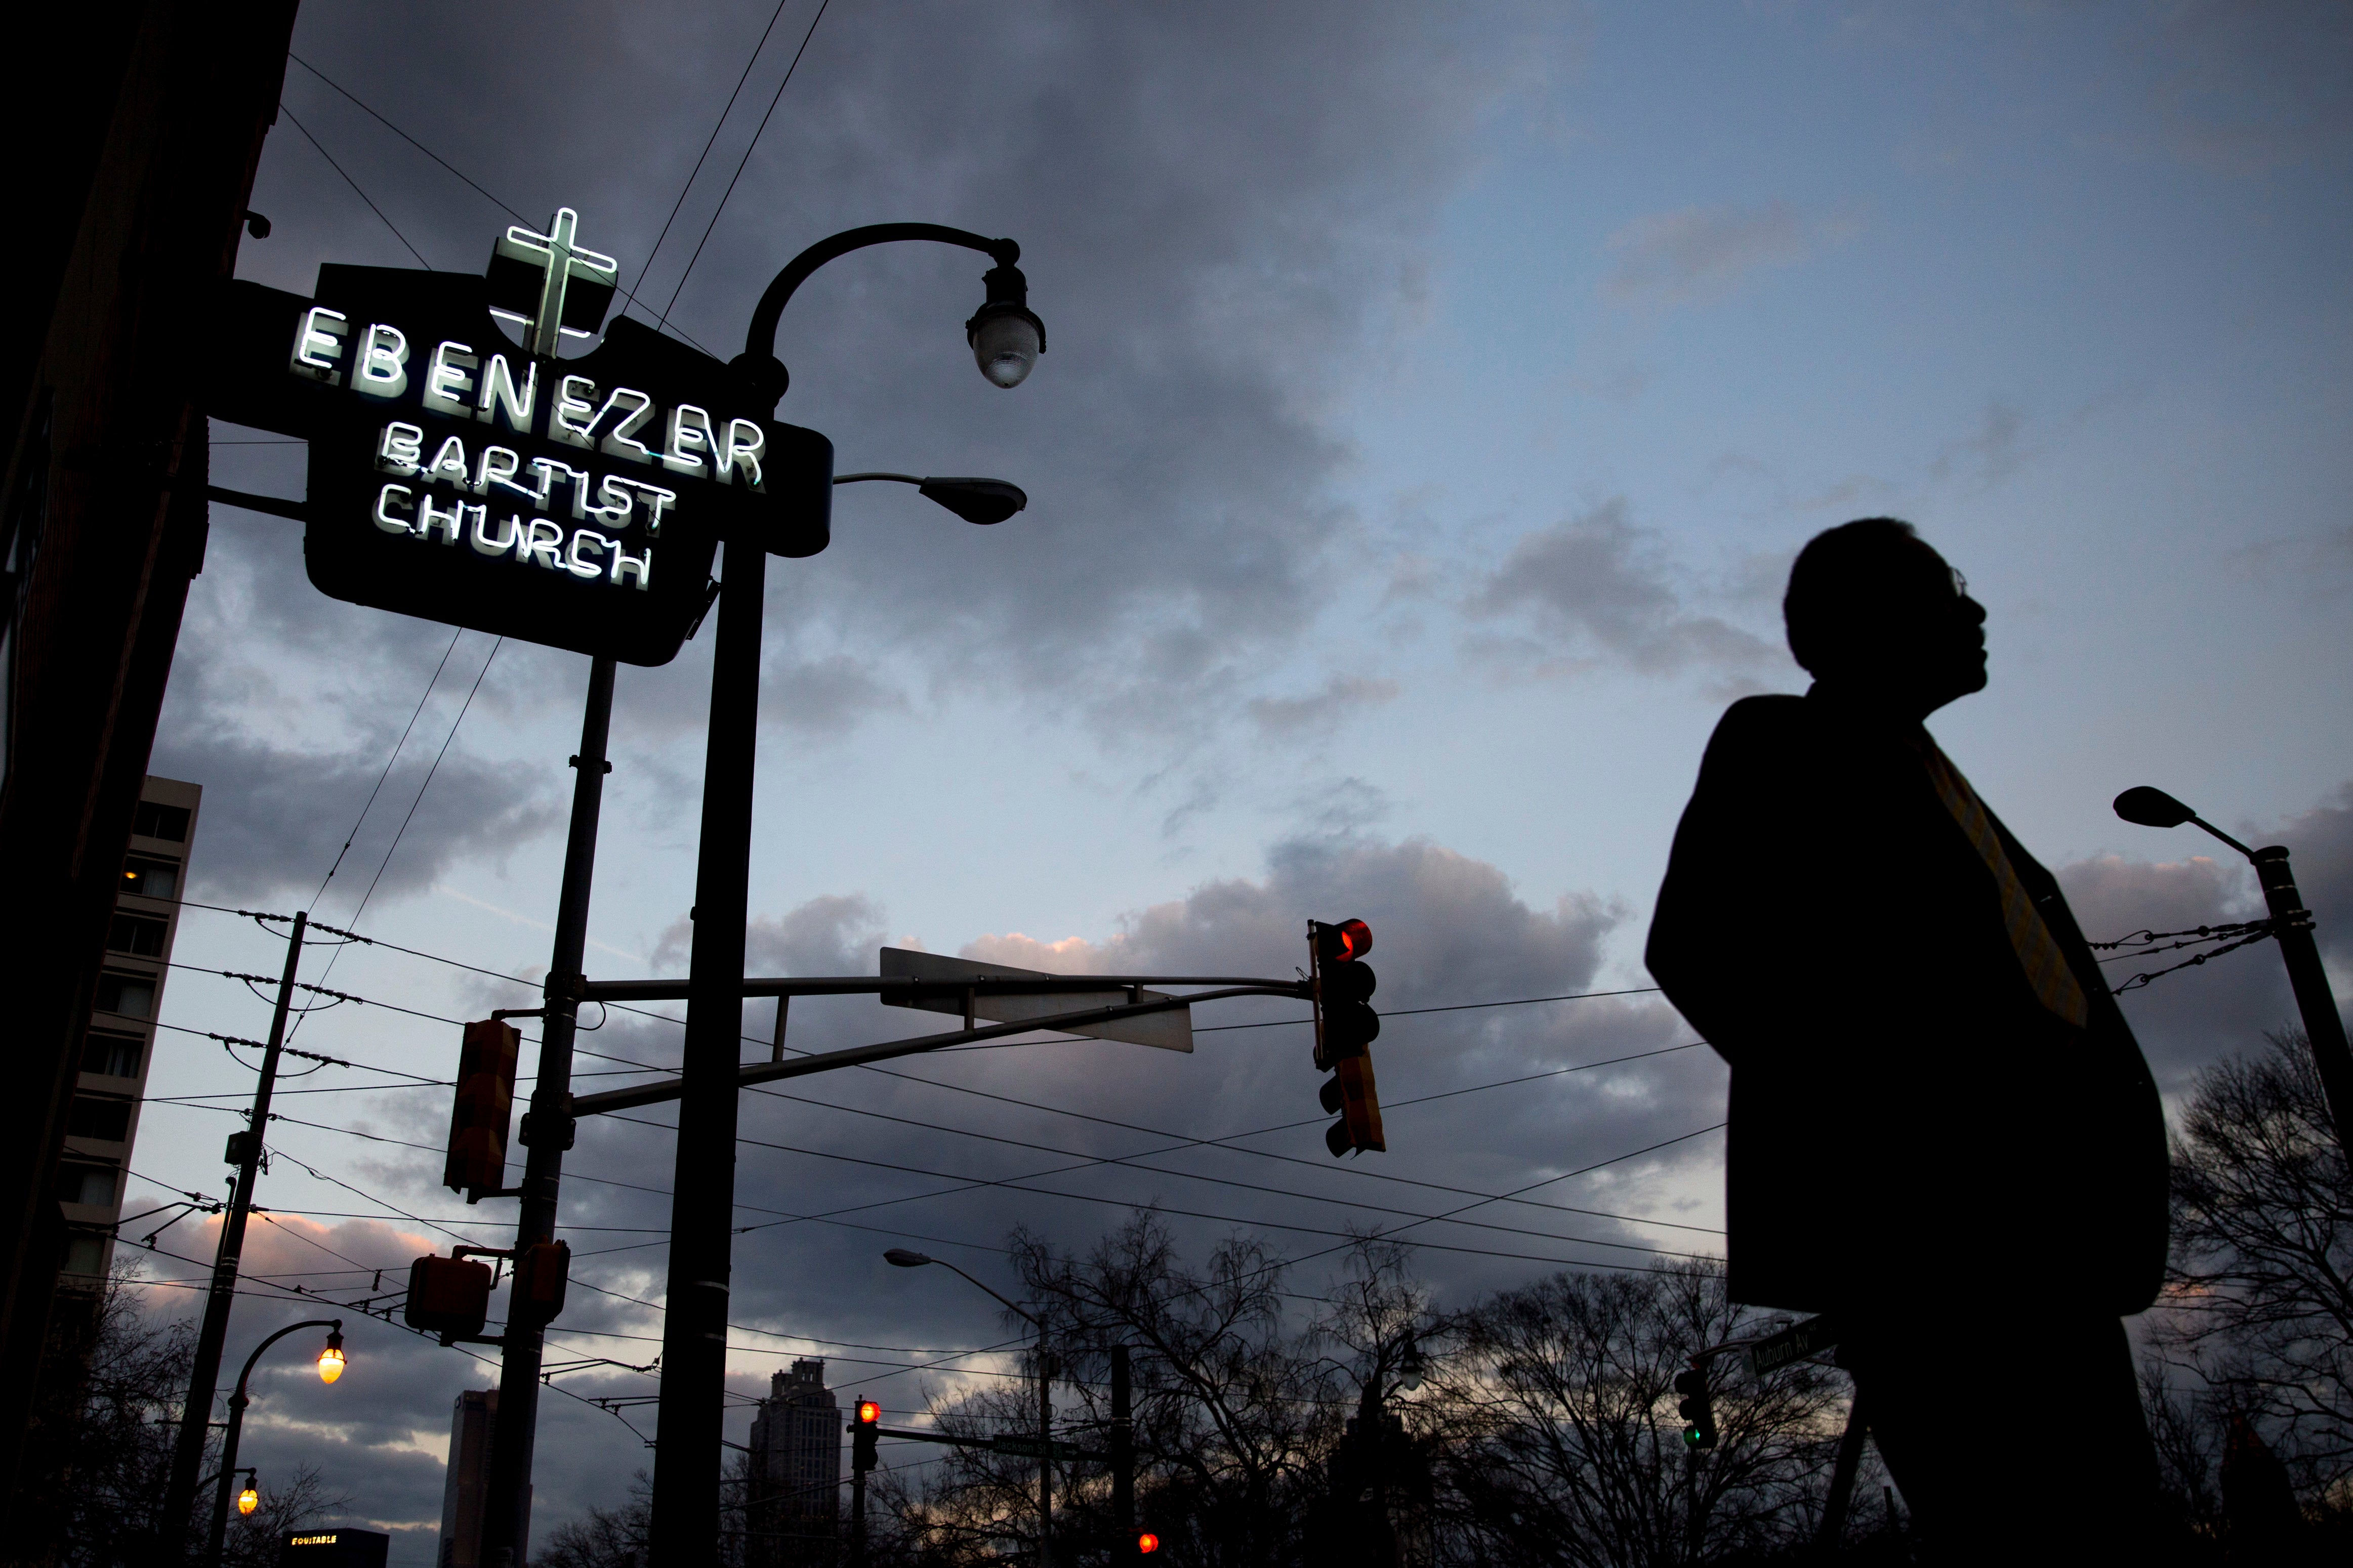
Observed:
{"x":458,"y":475}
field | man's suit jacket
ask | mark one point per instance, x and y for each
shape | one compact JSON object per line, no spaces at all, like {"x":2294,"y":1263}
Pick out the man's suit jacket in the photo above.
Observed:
{"x":1907,"y":1119}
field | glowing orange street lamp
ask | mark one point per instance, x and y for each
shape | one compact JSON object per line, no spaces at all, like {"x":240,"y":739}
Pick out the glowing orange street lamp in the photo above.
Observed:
{"x":330,"y":1360}
{"x":251,"y":1498}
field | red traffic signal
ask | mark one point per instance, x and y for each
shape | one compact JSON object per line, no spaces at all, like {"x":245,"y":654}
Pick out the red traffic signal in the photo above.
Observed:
{"x":1146,"y":1542}
{"x":868,"y":1413}
{"x":1345,"y":1027}
{"x":484,"y":1105}
{"x":1341,"y":943}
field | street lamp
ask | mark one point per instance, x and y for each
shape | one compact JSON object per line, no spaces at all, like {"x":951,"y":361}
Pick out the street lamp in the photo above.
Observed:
{"x":684,"y":1518}
{"x":902,"y":1257}
{"x":975,"y":500}
{"x":331,"y":1367}
{"x":2324,"y":1027}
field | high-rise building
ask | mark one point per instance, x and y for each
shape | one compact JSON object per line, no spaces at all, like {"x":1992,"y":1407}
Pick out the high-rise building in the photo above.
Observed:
{"x":793,"y":1506}
{"x":118,"y":1044}
{"x":473,"y":1417}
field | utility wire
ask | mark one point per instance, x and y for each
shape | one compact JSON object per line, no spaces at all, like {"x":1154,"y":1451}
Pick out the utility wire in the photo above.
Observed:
{"x":388,"y":762}
{"x":405,"y":136}
{"x":709,"y":142}
{"x":354,"y":185}
{"x":754,"y":142}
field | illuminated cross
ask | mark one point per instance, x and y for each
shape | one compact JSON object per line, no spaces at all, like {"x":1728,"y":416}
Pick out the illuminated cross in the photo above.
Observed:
{"x":562,"y":267}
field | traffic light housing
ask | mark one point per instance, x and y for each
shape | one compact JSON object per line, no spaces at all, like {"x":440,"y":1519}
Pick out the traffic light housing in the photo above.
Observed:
{"x":484,"y":1105}
{"x":861,"y":1435}
{"x":542,"y":1270}
{"x":448,"y":1296}
{"x":1345,"y":1027}
{"x":1698,"y":1413}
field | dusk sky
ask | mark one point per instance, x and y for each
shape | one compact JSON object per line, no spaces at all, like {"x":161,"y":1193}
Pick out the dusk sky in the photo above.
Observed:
{"x":1434,"y":400}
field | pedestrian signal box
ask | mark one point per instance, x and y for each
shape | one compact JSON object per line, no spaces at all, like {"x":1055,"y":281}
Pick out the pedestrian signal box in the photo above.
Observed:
{"x":448,"y":1296}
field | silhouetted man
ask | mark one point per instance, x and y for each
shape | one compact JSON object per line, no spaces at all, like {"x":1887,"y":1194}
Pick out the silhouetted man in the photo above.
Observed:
{"x":1941,"y":1128}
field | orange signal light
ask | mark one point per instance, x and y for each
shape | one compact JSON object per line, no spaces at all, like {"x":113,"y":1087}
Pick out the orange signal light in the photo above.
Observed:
{"x":869,"y":1412}
{"x":1356,"y":938}
{"x":1146,"y":1542}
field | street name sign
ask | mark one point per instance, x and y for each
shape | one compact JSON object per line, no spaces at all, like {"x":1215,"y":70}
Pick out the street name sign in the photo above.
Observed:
{"x":1168,"y":1031}
{"x":462,"y":471}
{"x":1792,"y":1344}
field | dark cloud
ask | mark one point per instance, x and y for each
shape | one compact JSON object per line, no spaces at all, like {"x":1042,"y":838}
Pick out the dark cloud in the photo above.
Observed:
{"x":1598,"y":589}
{"x":1320,"y":712}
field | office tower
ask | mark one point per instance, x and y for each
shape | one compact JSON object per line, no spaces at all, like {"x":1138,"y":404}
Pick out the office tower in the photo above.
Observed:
{"x":473,"y":1416}
{"x":793,"y":1506}
{"x":118,"y":1043}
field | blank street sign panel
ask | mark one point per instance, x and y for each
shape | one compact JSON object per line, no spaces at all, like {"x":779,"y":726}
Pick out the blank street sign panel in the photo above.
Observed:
{"x":1169,"y":1031}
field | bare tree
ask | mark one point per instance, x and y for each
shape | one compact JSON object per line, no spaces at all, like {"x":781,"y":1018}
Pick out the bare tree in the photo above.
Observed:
{"x":608,"y":1538}
{"x":256,"y":1539}
{"x":1575,"y":1452}
{"x":2260,"y":1302}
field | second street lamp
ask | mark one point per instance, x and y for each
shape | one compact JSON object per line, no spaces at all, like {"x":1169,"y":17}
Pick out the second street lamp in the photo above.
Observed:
{"x":684,"y":1522}
{"x":331,"y":1367}
{"x":2324,"y":1027}
{"x":902,"y":1257}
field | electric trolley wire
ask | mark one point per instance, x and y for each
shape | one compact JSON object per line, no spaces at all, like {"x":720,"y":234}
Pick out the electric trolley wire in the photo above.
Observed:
{"x":405,"y":136}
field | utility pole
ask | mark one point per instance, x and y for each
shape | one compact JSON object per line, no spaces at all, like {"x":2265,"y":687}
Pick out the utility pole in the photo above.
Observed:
{"x":1123,"y":1453}
{"x":2324,"y":1027}
{"x":196,"y":1415}
{"x":547,"y":1130}
{"x":1045,"y":1449}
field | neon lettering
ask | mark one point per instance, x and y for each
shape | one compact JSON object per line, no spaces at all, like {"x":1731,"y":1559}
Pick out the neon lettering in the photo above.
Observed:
{"x":543,"y":544}
{"x":619,"y":443}
{"x":689,"y":429}
{"x":448,"y":464}
{"x":500,"y":399}
{"x":658,"y":500}
{"x":449,"y":383}
{"x":449,"y":522}
{"x":575,"y":410}
{"x":509,"y":533}
{"x":747,"y":443}
{"x":593,"y":541}
{"x":384,"y":517}
{"x":318,"y":344}
{"x":383,"y":362}
{"x":498,"y":465}
{"x":400,"y":448}
{"x":638,"y":568}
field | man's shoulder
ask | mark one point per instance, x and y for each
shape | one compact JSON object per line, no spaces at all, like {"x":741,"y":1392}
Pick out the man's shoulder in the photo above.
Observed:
{"x":1761,"y":724}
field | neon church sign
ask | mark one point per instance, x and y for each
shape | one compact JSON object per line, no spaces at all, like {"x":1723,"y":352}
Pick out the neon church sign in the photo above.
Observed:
{"x":461,"y":471}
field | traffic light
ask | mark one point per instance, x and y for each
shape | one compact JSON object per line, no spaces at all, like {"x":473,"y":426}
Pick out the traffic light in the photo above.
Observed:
{"x":861,"y":1435}
{"x":484,"y":1105}
{"x":1695,"y":1408}
{"x":1146,"y":1543}
{"x":1346,"y":1026}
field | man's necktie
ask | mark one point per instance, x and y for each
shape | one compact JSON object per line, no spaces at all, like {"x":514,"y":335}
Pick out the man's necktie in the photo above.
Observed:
{"x":2055,"y":982}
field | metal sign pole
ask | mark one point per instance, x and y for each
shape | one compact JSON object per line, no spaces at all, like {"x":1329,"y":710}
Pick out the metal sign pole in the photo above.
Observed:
{"x":685,"y":1523}
{"x":548,"y":1133}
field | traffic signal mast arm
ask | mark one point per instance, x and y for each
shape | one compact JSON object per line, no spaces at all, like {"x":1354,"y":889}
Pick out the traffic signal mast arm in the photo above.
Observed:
{"x":828,"y":1061}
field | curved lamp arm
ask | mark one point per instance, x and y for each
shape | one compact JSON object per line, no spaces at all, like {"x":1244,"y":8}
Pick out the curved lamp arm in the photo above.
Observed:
{"x":758,"y":360}
{"x":335,"y":1324}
